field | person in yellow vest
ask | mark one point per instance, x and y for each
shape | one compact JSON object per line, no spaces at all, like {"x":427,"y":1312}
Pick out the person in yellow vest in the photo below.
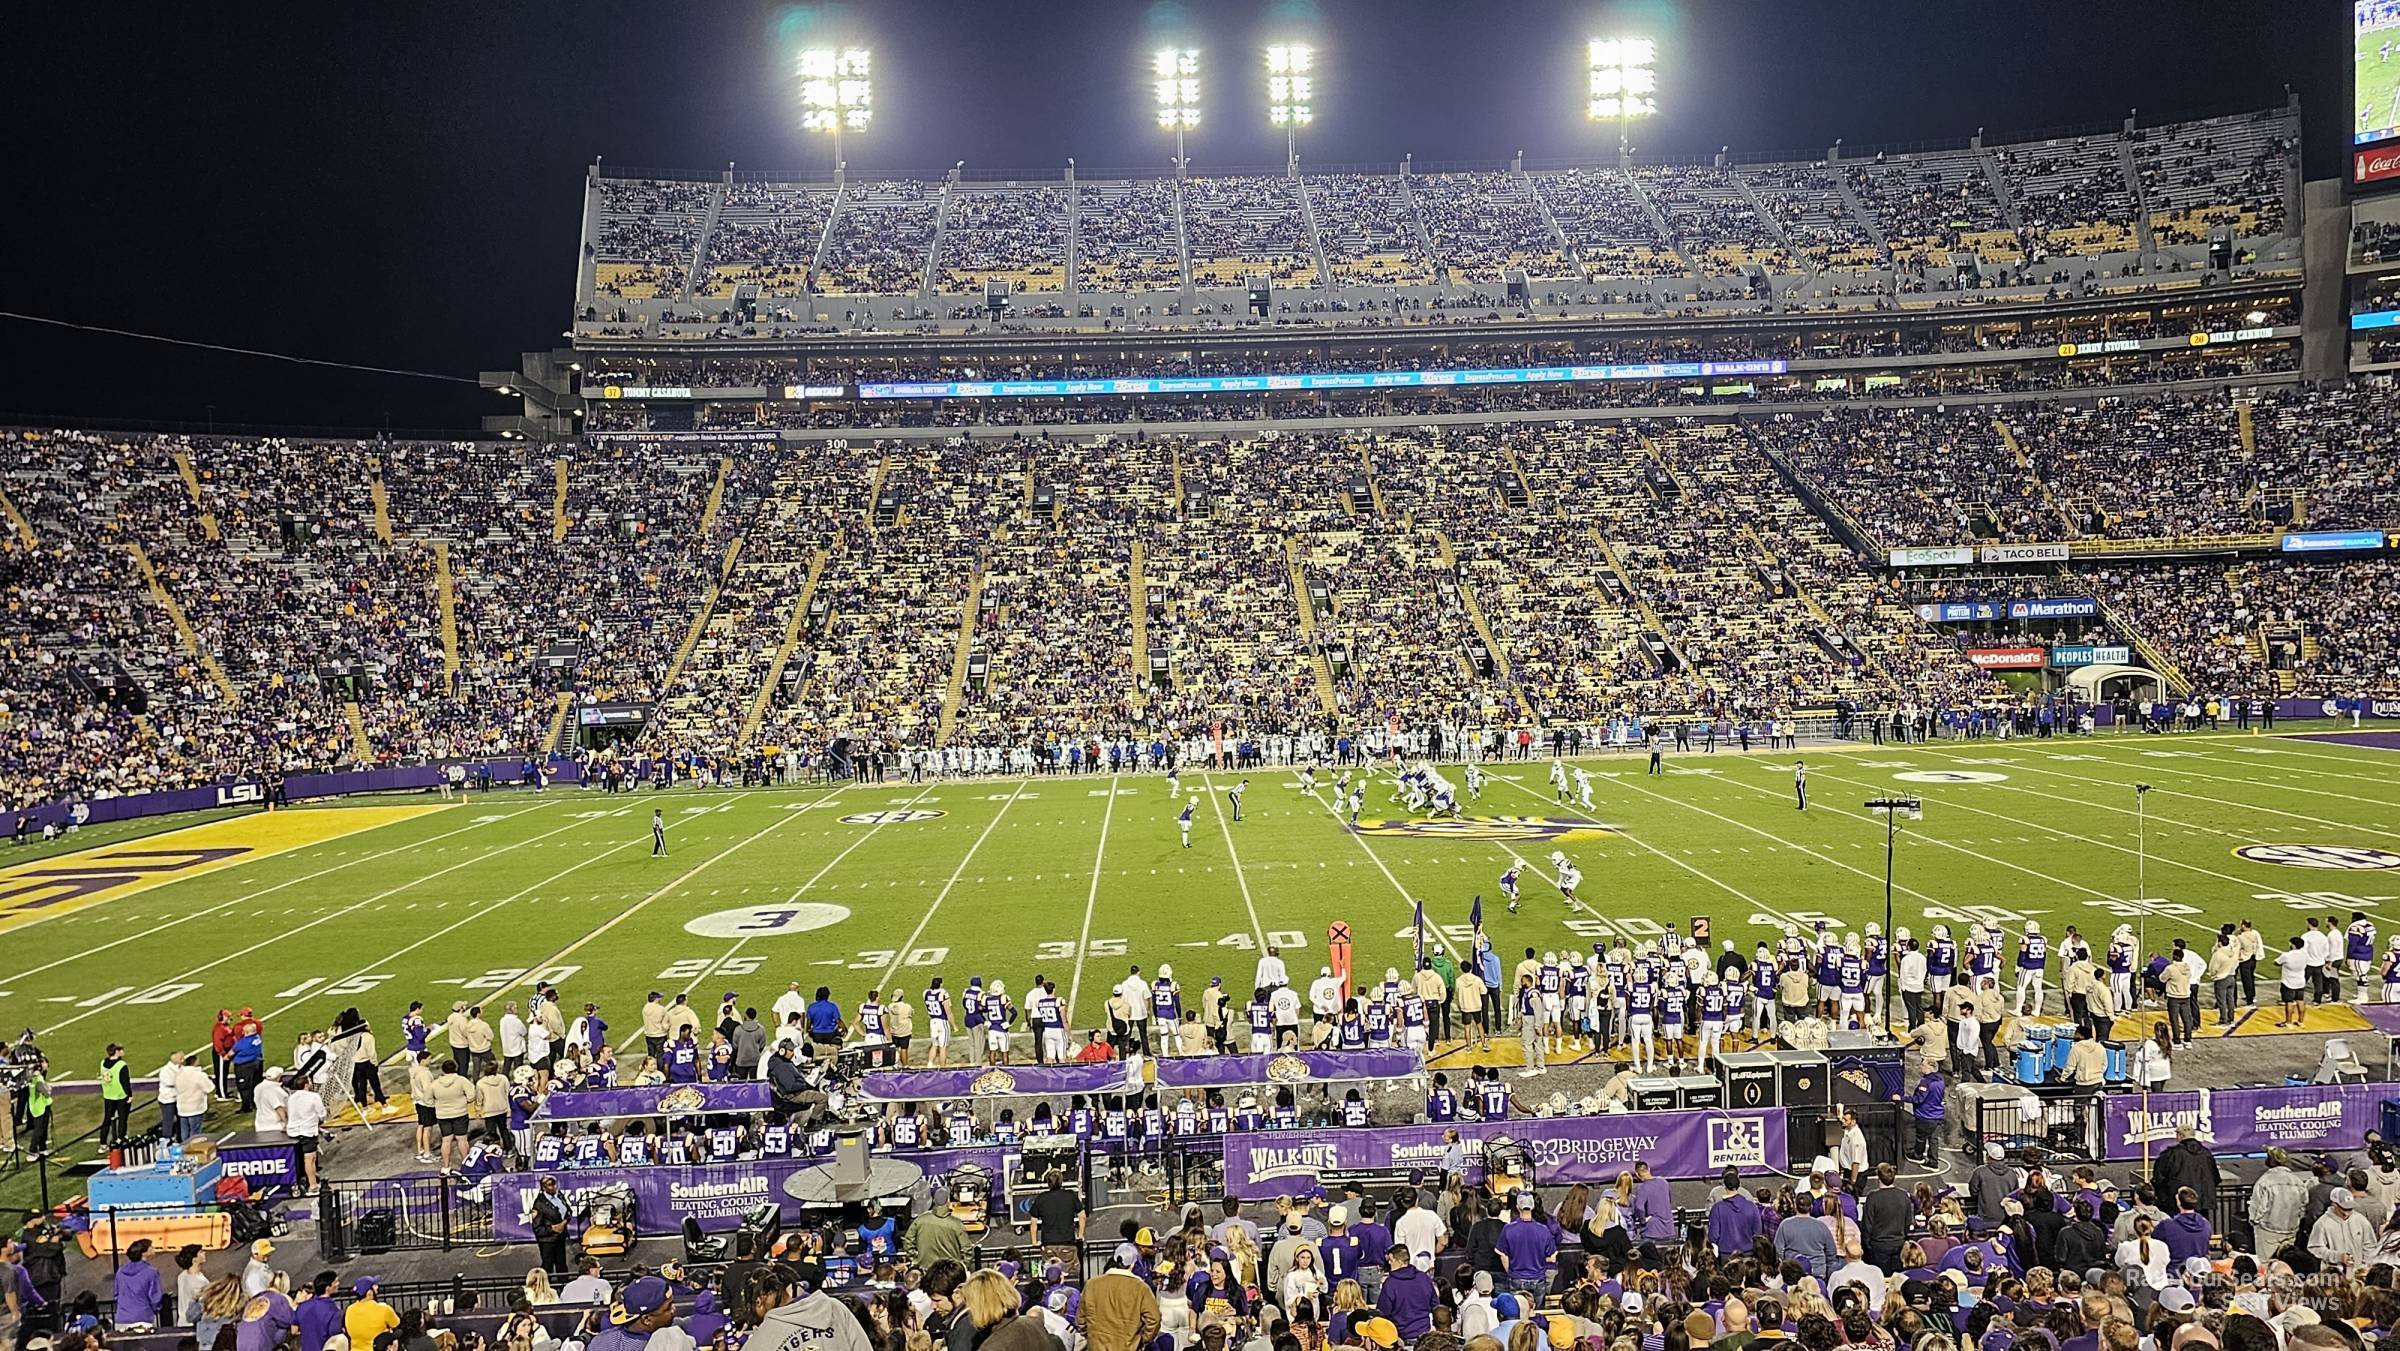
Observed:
{"x":116,"y":1096}
{"x":37,"y":1110}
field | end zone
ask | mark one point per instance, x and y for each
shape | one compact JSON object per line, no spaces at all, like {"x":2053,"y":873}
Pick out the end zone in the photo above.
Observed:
{"x":65,"y":883}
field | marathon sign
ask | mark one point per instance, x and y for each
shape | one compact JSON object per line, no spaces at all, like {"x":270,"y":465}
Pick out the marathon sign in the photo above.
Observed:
{"x":1932,"y":558}
{"x":2069,"y":656}
{"x":2007,"y":658}
{"x":2243,"y":1120}
{"x":2074,"y":607}
{"x":2024,"y":553}
{"x":1570,"y":1149}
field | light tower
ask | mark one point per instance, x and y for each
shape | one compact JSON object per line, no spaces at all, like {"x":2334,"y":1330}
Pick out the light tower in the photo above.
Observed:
{"x":1175,"y":79}
{"x":1623,"y":83}
{"x":1291,"y":94}
{"x":837,"y":92}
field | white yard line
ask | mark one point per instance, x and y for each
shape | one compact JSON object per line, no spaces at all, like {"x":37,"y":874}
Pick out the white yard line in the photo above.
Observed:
{"x":900,"y":954}
{"x":153,"y":929}
{"x":285,"y":935}
{"x":2151,"y":769}
{"x":1258,"y":931}
{"x":1091,"y":898}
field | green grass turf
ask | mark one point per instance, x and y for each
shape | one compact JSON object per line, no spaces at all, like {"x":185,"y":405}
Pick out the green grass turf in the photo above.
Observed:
{"x":1002,"y":882}
{"x":2377,"y":92}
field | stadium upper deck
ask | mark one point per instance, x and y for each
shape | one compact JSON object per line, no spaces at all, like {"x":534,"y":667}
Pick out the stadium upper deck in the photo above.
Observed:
{"x":774,"y":258}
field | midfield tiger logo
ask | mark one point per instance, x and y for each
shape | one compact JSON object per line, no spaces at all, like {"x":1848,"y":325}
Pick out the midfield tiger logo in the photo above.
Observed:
{"x":1556,"y":828}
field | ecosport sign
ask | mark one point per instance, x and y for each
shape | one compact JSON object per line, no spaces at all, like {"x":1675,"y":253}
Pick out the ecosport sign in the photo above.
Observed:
{"x":1932,"y":558}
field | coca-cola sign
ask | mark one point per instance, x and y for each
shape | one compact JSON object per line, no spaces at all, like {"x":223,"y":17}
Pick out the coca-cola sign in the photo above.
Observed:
{"x":2371,"y":166}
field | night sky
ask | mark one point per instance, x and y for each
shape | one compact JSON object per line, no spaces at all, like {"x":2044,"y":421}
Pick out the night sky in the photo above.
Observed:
{"x":399,"y":185}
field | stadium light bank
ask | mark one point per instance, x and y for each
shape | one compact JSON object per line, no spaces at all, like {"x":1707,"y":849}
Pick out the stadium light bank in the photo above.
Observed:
{"x":1175,"y":81}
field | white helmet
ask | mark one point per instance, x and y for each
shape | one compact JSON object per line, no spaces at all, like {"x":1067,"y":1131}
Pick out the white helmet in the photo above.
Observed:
{"x":1941,"y":931}
{"x":1850,"y":943}
{"x":1550,"y":959}
{"x":1707,"y":976}
{"x":1558,"y":856}
{"x":1900,"y":934}
{"x":2033,"y":926}
{"x":999,"y":987}
{"x":1791,"y":931}
{"x":1165,"y":972}
{"x":1874,"y":929}
{"x":1391,"y":973}
{"x":2123,"y":931}
{"x":1975,"y":933}
{"x":1574,"y":958}
{"x":1763,"y":954}
{"x":1649,"y":947}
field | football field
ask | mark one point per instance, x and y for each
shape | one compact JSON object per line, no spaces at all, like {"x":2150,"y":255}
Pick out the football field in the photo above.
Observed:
{"x":299,"y":914}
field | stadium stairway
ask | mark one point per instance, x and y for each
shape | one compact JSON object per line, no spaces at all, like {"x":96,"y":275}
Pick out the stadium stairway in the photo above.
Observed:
{"x":1483,"y":627}
{"x":1138,"y":593}
{"x":957,"y":692}
{"x":1316,"y":236}
{"x":445,"y":599}
{"x":558,"y":724}
{"x":2008,"y":438}
{"x":2241,"y":421}
{"x":183,"y":626}
{"x":1317,"y":664}
{"x":708,"y":608}
{"x":360,"y":746}
{"x":716,"y":498}
{"x":2133,"y":188}
{"x":17,"y":524}
{"x":2151,"y":653}
{"x":381,"y":499}
{"x":1858,"y":212}
{"x":191,"y":484}
{"x":559,"y":520}
{"x":1650,"y":619}
{"x":791,"y":639}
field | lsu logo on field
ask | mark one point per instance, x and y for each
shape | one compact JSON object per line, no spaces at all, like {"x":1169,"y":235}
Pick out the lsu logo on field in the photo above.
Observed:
{"x":1556,"y":828}
{"x":890,"y":818}
{"x":2336,"y":857}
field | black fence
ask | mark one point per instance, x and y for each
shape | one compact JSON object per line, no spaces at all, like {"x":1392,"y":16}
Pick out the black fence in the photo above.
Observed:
{"x":2052,"y":1123}
{"x":416,"y":1214}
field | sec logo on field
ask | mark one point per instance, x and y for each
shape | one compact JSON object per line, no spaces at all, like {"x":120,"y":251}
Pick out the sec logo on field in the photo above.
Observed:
{"x":891,"y":818}
{"x":2338,"y":857}
{"x":1950,"y":776}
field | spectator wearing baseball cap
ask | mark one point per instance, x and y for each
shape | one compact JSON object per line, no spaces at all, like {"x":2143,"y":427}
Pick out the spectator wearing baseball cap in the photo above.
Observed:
{"x":643,"y":1319}
{"x":368,"y":1315}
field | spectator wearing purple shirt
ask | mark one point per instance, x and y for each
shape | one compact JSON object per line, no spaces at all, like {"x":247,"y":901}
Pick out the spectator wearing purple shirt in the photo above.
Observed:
{"x":1341,"y":1250}
{"x":318,"y":1314}
{"x":139,"y":1291}
{"x":2187,"y":1231}
{"x":1652,"y":1210}
{"x":1733,"y":1218}
{"x":1528,"y":1247}
{"x":1408,"y":1295}
{"x":266,"y":1320}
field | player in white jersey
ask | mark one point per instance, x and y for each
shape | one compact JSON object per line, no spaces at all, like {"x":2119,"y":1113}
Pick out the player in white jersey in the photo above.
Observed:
{"x":1558,"y":778}
{"x":1475,"y":778}
{"x":1569,"y":876}
{"x":1583,"y":786}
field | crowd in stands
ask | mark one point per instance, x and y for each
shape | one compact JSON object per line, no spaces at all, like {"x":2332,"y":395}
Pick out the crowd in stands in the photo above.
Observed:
{"x":1710,"y":212}
{"x":766,"y":236}
{"x":1015,"y":235}
{"x":882,"y":238}
{"x":1237,"y":227}
{"x":1128,"y":236}
{"x":1369,"y":228}
{"x":359,"y":603}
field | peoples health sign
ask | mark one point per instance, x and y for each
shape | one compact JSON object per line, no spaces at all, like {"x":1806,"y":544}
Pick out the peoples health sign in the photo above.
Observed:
{"x":1686,"y":1144}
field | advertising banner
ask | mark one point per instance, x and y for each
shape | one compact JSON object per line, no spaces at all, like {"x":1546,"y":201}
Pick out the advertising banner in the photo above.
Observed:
{"x":2052,"y":608}
{"x":2024,"y":553}
{"x":1565,"y":1149}
{"x":2244,"y":1120}
{"x":594,"y":1104}
{"x":2327,"y":541}
{"x":250,"y":792}
{"x":1291,"y":1067}
{"x":715,"y":1195}
{"x":2007,"y":658}
{"x":1959,"y":612}
{"x":1312,"y":380}
{"x":2068,"y":656}
{"x":1002,"y":1081}
{"x":1932,"y":558}
{"x":2374,"y":166}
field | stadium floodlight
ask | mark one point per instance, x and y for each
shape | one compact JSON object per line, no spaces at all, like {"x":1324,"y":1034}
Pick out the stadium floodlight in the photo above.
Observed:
{"x":1623,"y":81}
{"x":1175,"y":80}
{"x":1291,"y":93}
{"x":837,"y":92}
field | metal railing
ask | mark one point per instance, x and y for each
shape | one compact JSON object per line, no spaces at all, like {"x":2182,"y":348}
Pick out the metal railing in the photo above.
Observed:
{"x":417,"y":1214}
